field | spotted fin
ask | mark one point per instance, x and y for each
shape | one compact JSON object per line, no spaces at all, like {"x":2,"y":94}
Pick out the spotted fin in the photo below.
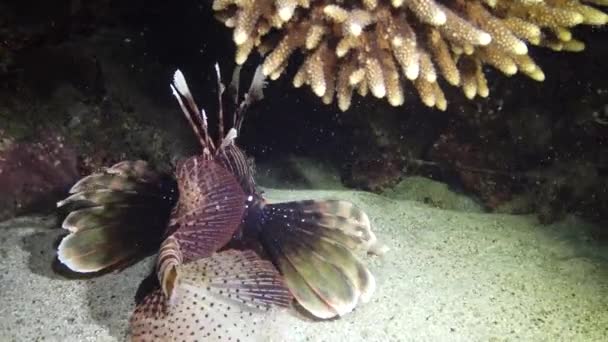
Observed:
{"x":313,"y":244}
{"x":115,"y":217}
{"x":229,"y":296}
{"x":210,"y":208}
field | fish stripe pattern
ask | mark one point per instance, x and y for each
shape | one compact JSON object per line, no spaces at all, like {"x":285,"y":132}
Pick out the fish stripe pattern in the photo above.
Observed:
{"x":115,"y":217}
{"x":210,"y":208}
{"x":312,"y":244}
{"x":235,"y":161}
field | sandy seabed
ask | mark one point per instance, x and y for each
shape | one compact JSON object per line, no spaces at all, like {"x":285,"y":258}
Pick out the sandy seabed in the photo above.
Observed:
{"x":449,"y":276}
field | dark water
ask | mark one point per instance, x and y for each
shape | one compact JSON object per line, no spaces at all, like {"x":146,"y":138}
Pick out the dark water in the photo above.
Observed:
{"x":97,"y":75}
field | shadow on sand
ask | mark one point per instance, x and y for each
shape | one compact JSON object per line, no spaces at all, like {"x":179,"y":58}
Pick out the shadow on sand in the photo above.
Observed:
{"x":110,"y":296}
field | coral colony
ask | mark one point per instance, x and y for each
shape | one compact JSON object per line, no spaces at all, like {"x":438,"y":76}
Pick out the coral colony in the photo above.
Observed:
{"x":375,"y":46}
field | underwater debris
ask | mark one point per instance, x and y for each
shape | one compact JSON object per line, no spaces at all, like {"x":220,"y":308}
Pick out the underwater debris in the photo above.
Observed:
{"x":311,"y":244}
{"x":375,"y":46}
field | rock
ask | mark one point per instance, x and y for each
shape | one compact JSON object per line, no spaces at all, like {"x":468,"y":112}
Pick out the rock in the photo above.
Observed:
{"x":435,"y":194}
{"x":33,"y":174}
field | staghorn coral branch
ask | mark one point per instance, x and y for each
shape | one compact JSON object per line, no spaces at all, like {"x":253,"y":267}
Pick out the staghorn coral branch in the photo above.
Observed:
{"x":383,"y":46}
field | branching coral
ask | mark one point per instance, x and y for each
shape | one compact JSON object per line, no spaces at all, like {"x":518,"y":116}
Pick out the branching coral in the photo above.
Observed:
{"x":374,"y":46}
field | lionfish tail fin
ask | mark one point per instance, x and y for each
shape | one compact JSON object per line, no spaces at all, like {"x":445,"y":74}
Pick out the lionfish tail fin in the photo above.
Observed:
{"x":114,"y":217}
{"x":229,"y":296}
{"x":313,"y":244}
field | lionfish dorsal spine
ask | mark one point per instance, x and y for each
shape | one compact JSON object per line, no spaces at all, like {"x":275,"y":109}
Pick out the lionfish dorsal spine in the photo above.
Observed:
{"x":229,"y":138}
{"x":197,"y":118}
{"x":220,"y":93}
{"x":235,"y":87}
{"x":254,"y":94}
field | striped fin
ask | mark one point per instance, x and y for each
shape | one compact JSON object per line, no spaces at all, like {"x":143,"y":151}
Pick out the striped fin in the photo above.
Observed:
{"x":100,"y":181}
{"x":340,"y":257}
{"x":196,"y":118}
{"x":210,"y":208}
{"x":105,"y":215}
{"x":229,"y":296}
{"x":243,"y":277}
{"x":179,"y":82}
{"x":115,"y":217}
{"x":167,"y":264}
{"x":234,"y":160}
{"x":312,"y":243}
{"x":340,"y":221}
{"x":304,"y":294}
{"x":102,"y":247}
{"x":105,"y":236}
{"x":93,"y":198}
{"x":138,"y":169}
{"x":254,"y":94}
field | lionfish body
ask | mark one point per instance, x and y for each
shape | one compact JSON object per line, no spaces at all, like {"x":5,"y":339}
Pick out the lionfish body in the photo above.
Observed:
{"x":207,"y":291}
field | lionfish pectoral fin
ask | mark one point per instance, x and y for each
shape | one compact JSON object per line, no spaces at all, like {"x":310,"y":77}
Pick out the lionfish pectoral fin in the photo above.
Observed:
{"x":227,"y":297}
{"x":94,"y":250}
{"x":313,"y":244}
{"x":109,"y":218}
{"x":302,"y":292}
{"x":210,"y":208}
{"x":326,"y":280}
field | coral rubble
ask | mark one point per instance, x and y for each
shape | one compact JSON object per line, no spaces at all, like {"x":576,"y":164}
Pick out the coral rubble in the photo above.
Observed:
{"x":374,"y":46}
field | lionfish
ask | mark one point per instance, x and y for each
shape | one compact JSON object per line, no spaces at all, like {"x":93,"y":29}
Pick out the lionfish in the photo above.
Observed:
{"x":224,"y":252}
